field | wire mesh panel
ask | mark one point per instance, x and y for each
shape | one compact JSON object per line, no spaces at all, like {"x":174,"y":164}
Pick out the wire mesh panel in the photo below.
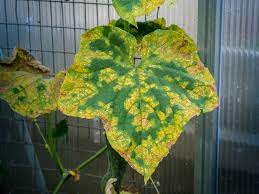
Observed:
{"x":50,"y":30}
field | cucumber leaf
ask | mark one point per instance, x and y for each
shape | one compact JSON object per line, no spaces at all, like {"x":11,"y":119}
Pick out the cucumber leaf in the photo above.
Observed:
{"x":145,"y":105}
{"x":130,"y":9}
{"x":30,"y":94}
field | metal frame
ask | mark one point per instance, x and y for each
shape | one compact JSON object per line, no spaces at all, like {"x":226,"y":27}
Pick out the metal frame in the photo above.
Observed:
{"x":210,"y":26}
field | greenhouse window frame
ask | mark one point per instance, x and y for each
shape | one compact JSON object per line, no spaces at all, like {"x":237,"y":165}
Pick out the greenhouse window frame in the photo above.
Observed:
{"x":209,"y":40}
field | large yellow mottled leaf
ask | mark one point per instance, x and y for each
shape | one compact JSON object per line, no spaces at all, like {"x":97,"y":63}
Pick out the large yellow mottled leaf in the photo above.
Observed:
{"x":144,"y":106}
{"x":30,"y":94}
{"x":22,"y":60}
{"x":130,"y":9}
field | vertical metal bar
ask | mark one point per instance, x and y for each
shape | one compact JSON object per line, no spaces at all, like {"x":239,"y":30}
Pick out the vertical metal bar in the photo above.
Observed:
{"x":17,"y":22}
{"x":85,"y":13}
{"x":207,"y":134}
{"x":109,"y":17}
{"x":63,"y":34}
{"x":41,"y":43}
{"x":6,"y":27}
{"x":199,"y":132}
{"x":29,"y":24}
{"x":77,"y":120}
{"x":217,"y":73}
{"x":52,"y":39}
{"x":97,"y":13}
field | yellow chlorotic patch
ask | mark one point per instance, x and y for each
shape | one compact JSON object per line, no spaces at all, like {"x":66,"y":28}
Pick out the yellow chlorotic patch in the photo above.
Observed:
{"x":30,"y":94}
{"x":141,"y":123}
{"x":108,"y":75}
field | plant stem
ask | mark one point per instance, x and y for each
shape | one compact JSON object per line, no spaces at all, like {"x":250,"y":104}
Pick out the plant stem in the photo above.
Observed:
{"x":50,"y":146}
{"x":154,"y":185}
{"x":116,"y":169}
{"x":61,"y":182}
{"x":66,"y":175}
{"x":50,"y":149}
{"x":53,"y":146}
{"x":91,"y":159}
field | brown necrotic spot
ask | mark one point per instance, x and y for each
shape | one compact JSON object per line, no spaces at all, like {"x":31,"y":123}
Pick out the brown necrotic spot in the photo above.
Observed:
{"x":22,"y":60}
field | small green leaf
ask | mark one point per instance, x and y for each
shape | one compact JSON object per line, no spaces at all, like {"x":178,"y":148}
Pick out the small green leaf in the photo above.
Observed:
{"x":143,"y":106}
{"x":30,"y":94}
{"x":142,"y":29}
{"x":130,"y":9}
{"x":61,"y":129}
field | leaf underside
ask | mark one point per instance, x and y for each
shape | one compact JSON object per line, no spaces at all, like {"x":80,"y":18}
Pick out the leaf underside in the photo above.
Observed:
{"x":130,"y":9}
{"x":143,"y":106}
{"x":22,"y":60}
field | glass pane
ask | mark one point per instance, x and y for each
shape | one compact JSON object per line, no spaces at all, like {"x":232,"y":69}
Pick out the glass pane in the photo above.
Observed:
{"x":239,"y":111}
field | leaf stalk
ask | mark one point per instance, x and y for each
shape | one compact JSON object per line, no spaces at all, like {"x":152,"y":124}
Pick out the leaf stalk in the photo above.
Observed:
{"x":67,"y":175}
{"x":51,"y":149}
{"x":50,"y":146}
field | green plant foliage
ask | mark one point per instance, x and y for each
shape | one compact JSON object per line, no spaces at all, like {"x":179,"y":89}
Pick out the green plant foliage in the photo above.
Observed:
{"x":61,"y":129}
{"x":143,"y":106}
{"x":142,"y":28}
{"x":130,"y":9}
{"x":30,"y":94}
{"x":22,"y":60}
